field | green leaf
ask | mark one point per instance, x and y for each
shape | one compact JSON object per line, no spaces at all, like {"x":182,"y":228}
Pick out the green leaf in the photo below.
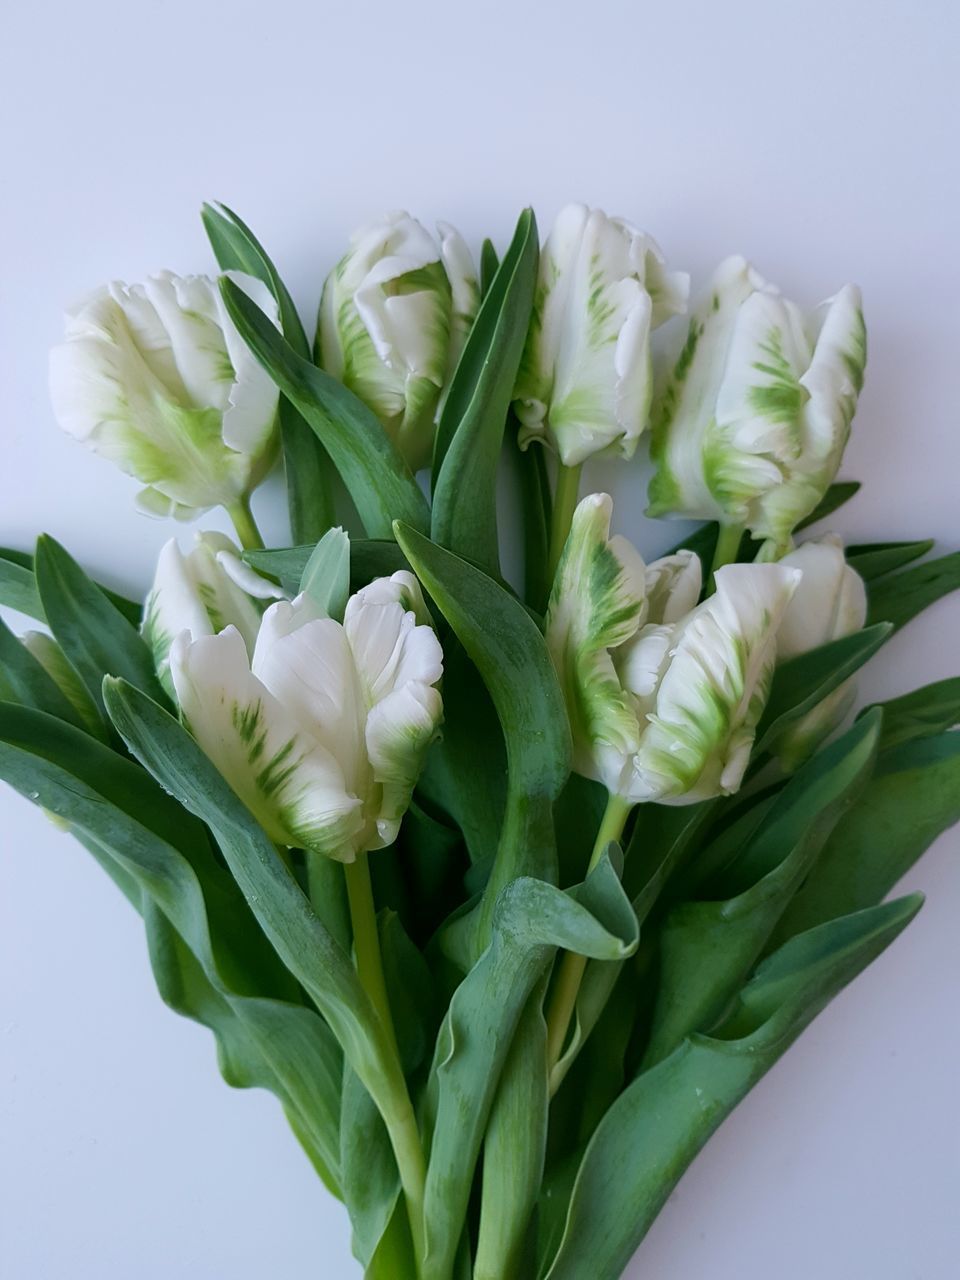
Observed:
{"x":837,"y":496}
{"x":537,"y":505}
{"x":913,"y":796}
{"x":465,"y":771}
{"x":306,"y":465}
{"x":23,"y":679}
{"x":471,"y":426}
{"x":236,"y":248}
{"x":376,"y":476}
{"x":18,"y":588}
{"x":369,"y":558}
{"x":284,"y":913}
{"x":489,"y":264}
{"x":531,"y":920}
{"x":95,"y":636}
{"x":514,"y":1150}
{"x":707,"y":948}
{"x":802,"y":682}
{"x":213,"y":962}
{"x":505,"y":645}
{"x":655,"y":1128}
{"x":920,"y":714}
{"x":326,"y":576}
{"x":874,"y":559}
{"x":898,"y":598}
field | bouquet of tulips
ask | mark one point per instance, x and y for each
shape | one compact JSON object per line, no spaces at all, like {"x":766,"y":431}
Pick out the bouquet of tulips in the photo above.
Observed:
{"x":508,"y":869}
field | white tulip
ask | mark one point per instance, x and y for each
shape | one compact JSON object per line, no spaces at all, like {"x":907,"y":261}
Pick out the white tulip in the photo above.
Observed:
{"x":831,"y":602}
{"x":394,"y":317}
{"x":663,"y":694}
{"x":752,"y":424}
{"x":156,"y":378}
{"x":585,"y":379}
{"x":202,"y":592}
{"x":323,"y":732}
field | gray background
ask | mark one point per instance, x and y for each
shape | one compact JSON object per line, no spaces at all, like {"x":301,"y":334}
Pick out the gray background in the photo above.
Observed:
{"x":820,"y":140}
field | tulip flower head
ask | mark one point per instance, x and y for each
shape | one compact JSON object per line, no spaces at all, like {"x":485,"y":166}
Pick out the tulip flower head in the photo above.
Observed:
{"x":752,"y":424}
{"x":664,"y":695}
{"x":585,"y":379}
{"x":156,"y":378}
{"x":830,"y":602}
{"x":394,"y":316}
{"x":202,"y":592}
{"x":323,"y":730}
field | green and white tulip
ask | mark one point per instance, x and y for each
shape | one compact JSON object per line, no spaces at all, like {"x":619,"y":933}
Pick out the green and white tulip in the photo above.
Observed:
{"x":585,"y":380}
{"x":202,"y":592}
{"x":156,"y":378}
{"x":394,"y":316}
{"x":322,"y":732}
{"x":830,"y":602}
{"x":751,"y":426}
{"x":663,"y":694}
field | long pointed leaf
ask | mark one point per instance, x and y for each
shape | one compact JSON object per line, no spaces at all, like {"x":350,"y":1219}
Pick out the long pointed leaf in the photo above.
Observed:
{"x":376,"y":476}
{"x":470,"y":432}
{"x":97,"y":639}
{"x":898,"y":598}
{"x":511,"y":655}
{"x":656,"y":1127}
{"x":306,"y":465}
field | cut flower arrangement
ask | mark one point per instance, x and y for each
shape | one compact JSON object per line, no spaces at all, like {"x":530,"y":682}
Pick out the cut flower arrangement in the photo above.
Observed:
{"x":508,"y":877}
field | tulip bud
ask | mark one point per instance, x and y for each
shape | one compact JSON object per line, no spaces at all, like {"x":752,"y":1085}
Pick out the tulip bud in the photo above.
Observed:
{"x":585,"y":378}
{"x":156,"y":378}
{"x":393,"y":319}
{"x":323,"y":733}
{"x":202,"y":592}
{"x":830,"y":602}
{"x":752,"y":424}
{"x":663,"y":695}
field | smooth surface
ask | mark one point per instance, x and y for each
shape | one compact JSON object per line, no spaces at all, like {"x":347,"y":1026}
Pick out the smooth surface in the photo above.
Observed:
{"x":821,"y":141}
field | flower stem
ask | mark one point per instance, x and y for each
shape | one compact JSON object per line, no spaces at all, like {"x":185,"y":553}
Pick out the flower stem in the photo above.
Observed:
{"x":563,"y":999}
{"x":401,"y":1121}
{"x":727,"y":550}
{"x":245,"y":525}
{"x":564,"y":504}
{"x":366,"y":942}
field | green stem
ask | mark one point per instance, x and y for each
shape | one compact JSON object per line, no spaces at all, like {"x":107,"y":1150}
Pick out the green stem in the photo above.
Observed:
{"x":564,"y":504}
{"x":563,"y":998}
{"x":400,"y":1120}
{"x":245,"y":525}
{"x":727,"y":550}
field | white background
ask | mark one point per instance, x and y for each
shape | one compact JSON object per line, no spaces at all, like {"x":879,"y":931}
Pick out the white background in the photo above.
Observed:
{"x":820,"y":139}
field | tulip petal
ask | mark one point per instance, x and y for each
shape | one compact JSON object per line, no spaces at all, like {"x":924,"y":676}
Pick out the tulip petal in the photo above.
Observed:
{"x":597,"y":604}
{"x":399,"y":730}
{"x":697,"y":741}
{"x":291,"y":783}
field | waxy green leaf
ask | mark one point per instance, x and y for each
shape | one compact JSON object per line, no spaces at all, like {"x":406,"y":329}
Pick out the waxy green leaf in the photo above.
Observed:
{"x":800,"y":683}
{"x":470,"y":431}
{"x":899,"y":597}
{"x":532,"y":919}
{"x":306,"y":465}
{"x":920,"y":714}
{"x":376,"y":476}
{"x":707,"y":946}
{"x":95,"y":636}
{"x":874,"y":559}
{"x":659,"y":1123}
{"x":511,"y":655}
{"x":914,"y":795}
